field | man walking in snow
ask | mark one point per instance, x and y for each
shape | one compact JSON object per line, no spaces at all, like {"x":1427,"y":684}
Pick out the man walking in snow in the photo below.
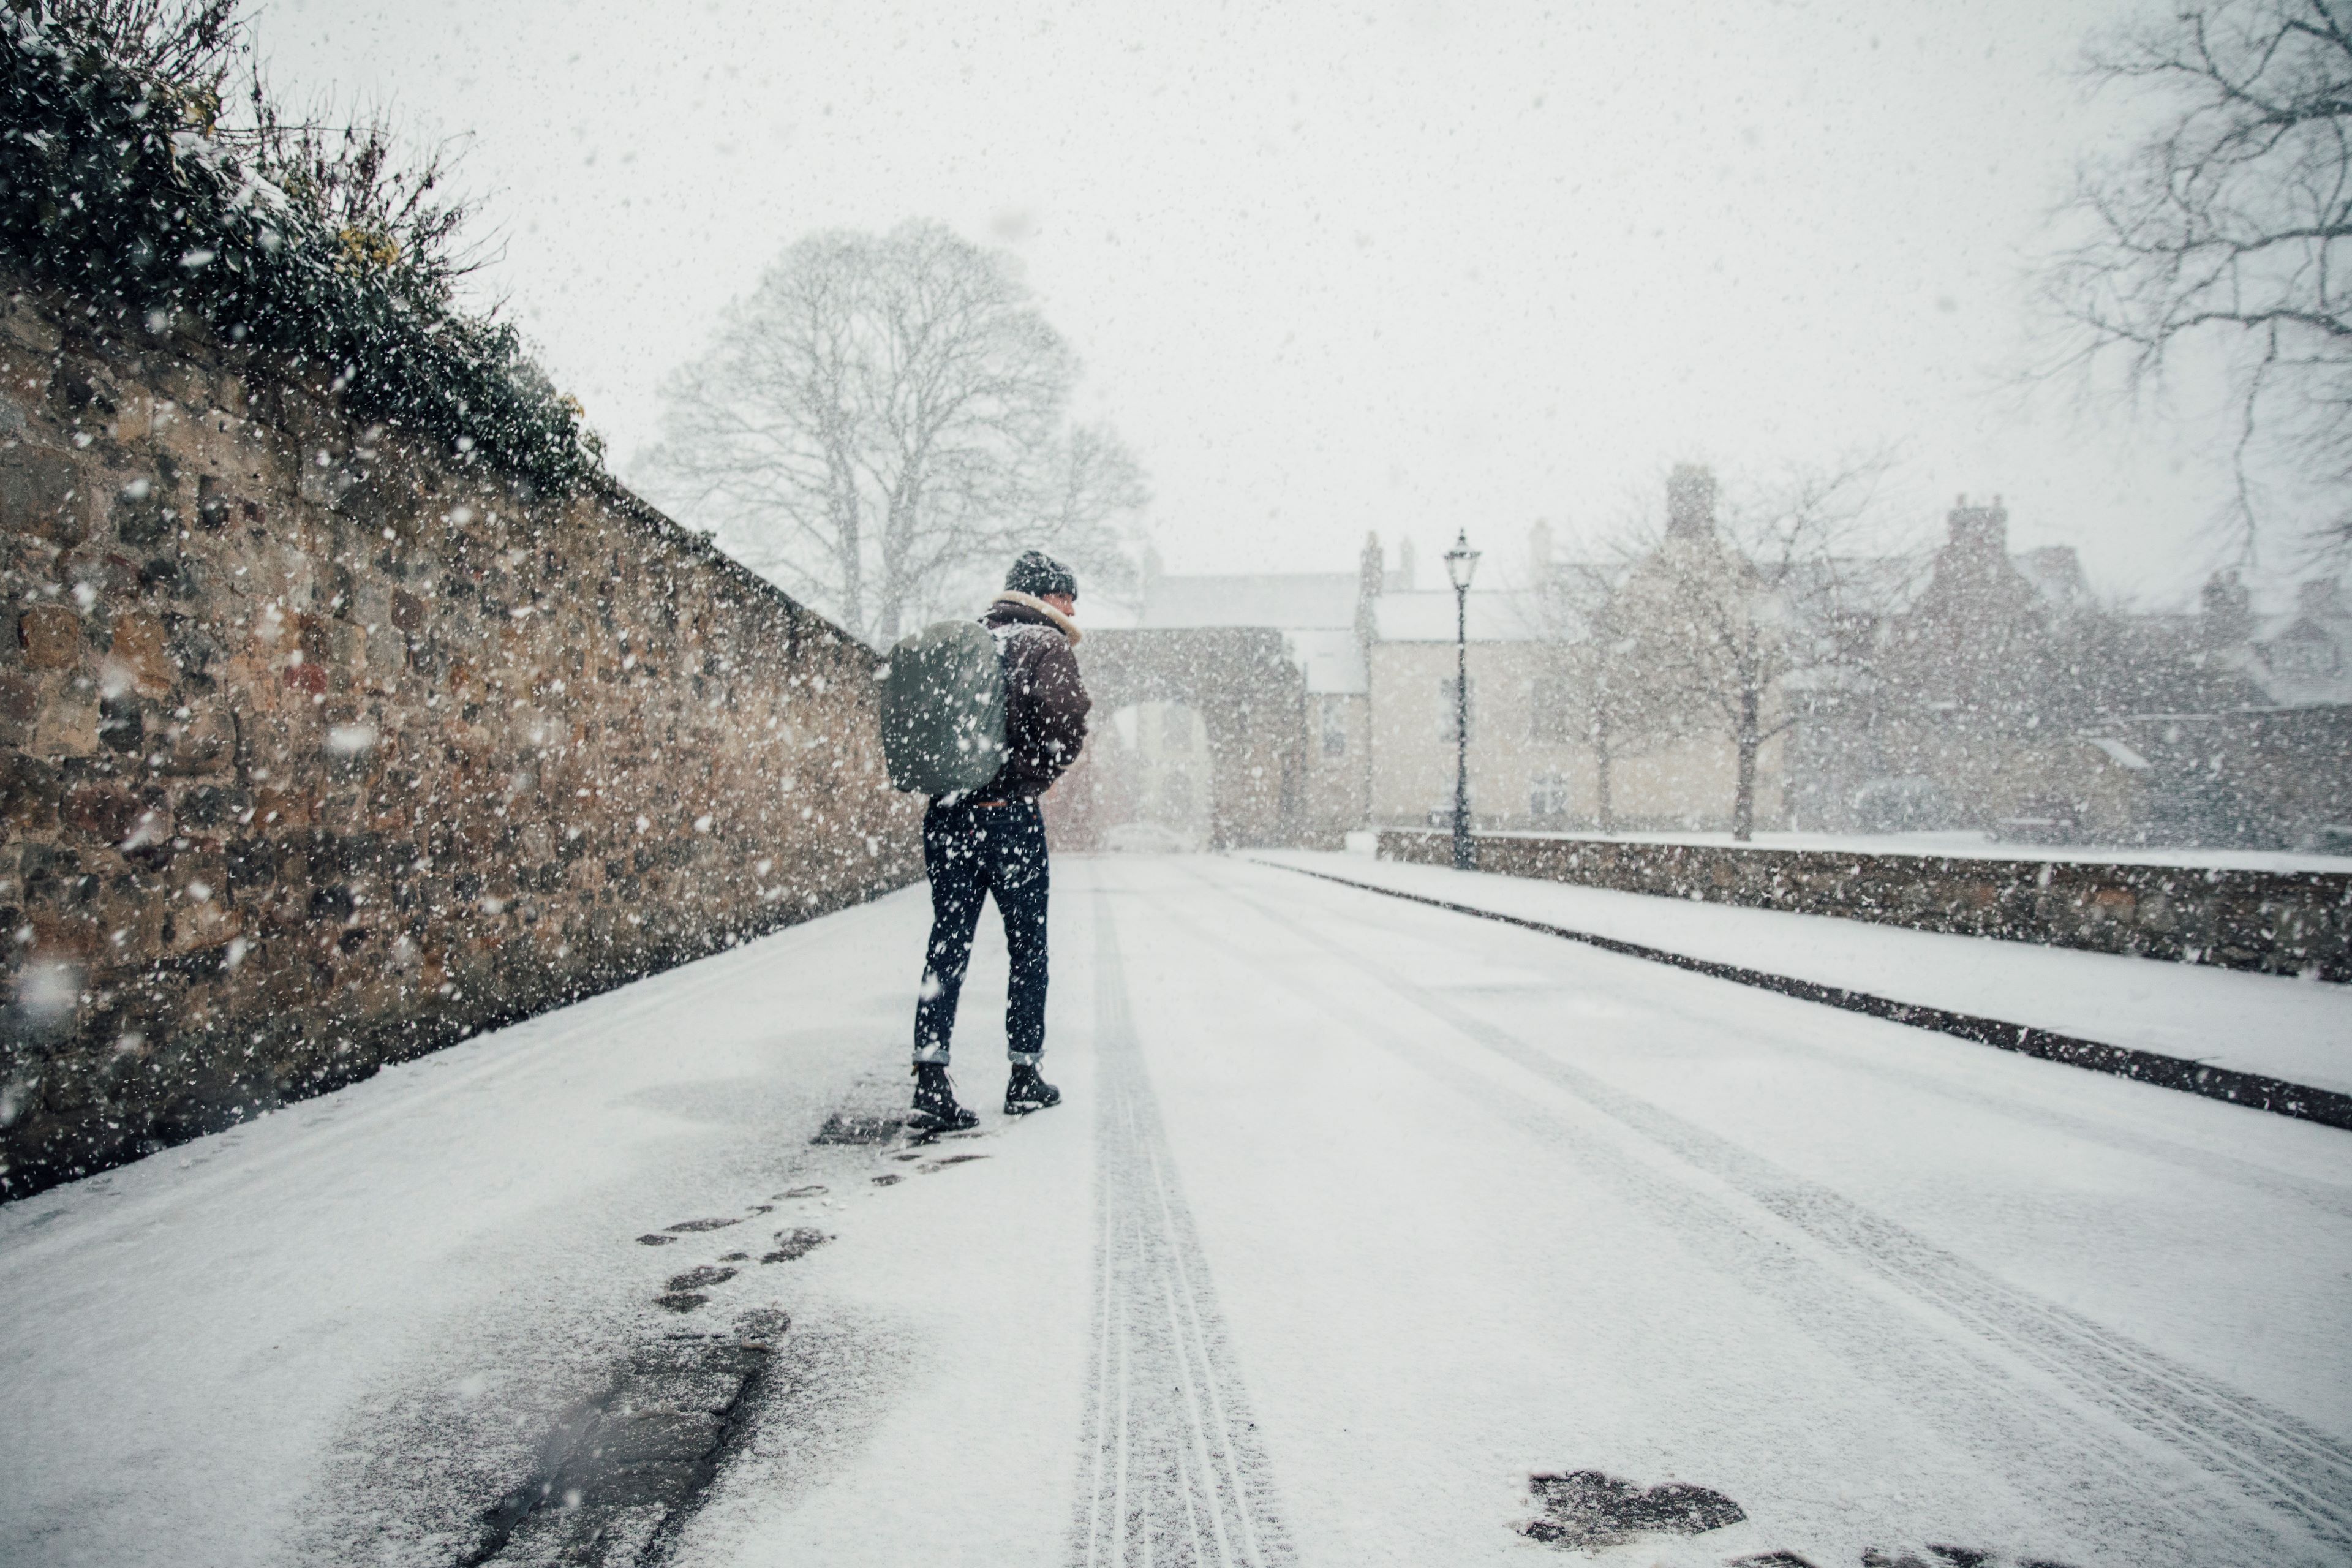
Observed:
{"x":992,"y":841}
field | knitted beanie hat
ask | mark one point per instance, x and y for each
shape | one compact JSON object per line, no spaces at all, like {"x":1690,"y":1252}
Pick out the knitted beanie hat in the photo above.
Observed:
{"x":1037,"y":574}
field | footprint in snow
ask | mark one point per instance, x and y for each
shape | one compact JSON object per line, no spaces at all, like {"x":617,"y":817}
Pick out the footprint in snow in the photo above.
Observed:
{"x":1951,"y":1557}
{"x":1585,"y":1509}
{"x":797,"y":1242}
{"x":700,"y":1279}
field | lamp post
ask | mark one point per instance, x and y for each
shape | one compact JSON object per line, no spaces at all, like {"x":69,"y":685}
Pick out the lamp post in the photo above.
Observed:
{"x":1460,"y":562}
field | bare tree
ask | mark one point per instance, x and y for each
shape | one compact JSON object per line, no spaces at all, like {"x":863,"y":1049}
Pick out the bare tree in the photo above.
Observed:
{"x":1087,"y":485}
{"x":1576,"y":608}
{"x":2222,"y":226}
{"x":881,"y":418}
{"x":1710,"y":615}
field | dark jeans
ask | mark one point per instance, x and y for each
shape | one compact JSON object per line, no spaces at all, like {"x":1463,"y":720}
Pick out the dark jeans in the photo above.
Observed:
{"x":970,"y":852}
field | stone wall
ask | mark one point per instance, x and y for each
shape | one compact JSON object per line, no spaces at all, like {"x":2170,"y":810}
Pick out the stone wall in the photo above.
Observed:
{"x":318,"y":751}
{"x":2275,"y":923}
{"x":1251,"y":697}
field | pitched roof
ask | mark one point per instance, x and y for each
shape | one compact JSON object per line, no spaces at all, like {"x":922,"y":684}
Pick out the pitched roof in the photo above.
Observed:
{"x":1283,"y":601}
{"x":2303,"y":659}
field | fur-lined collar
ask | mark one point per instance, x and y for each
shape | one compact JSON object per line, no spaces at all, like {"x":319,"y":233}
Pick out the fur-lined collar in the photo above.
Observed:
{"x":1068,"y":627}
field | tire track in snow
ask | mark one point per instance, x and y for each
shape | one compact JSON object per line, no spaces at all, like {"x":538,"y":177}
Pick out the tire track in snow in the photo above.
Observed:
{"x":1171,"y":1470}
{"x":2274,"y":1459}
{"x":2332,"y":1199}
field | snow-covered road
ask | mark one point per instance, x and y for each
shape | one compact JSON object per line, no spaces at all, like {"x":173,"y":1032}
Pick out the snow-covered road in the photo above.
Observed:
{"x":1358,"y":1213}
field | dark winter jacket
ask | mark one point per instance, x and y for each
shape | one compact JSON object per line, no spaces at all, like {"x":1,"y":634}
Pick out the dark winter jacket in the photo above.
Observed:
{"x":1046,"y":703}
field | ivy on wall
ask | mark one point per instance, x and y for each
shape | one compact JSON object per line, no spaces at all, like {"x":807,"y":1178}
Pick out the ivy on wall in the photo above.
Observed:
{"x":117,"y":186}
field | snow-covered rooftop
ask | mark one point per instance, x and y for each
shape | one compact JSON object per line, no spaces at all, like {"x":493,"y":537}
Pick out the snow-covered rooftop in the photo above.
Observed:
{"x":1283,"y":601}
{"x":1331,"y":659}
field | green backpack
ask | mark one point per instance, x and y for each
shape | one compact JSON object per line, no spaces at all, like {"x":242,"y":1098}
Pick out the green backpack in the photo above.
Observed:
{"x":943,"y":709}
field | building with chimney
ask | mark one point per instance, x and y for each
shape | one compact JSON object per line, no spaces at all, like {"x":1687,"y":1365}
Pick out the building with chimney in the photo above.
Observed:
{"x":1973,"y":686}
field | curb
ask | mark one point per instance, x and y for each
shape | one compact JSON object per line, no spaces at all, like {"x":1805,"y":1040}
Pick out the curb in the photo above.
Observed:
{"x":2252,"y":1090}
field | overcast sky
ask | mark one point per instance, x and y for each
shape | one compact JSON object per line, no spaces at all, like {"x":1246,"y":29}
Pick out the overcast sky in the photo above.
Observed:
{"x":1402,"y":267}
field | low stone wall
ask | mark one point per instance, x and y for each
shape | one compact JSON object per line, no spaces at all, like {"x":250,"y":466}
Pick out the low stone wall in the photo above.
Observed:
{"x":2275,"y":923}
{"x":318,"y":751}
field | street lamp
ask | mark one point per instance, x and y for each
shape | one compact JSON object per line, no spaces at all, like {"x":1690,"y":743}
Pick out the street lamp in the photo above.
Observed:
{"x":1460,"y":562}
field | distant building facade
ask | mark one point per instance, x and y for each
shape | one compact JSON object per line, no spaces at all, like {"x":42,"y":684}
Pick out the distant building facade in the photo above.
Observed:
{"x":1978,"y":687}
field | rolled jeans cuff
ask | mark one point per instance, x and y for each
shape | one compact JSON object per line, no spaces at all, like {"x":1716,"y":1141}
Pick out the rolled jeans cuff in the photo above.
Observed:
{"x":1025,"y":1058}
{"x":926,"y":1055}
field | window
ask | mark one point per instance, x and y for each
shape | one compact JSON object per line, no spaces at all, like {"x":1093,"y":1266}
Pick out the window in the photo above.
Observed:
{"x":1176,"y":795}
{"x":1175,"y":728}
{"x":1445,"y":708}
{"x":1335,"y":726}
{"x":1548,"y":797}
{"x":1548,"y":701}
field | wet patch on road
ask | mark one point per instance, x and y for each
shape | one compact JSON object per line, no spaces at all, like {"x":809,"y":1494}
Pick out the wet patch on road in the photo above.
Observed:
{"x":622,"y":1472}
{"x":425,"y":1475}
{"x":1586,"y":1508}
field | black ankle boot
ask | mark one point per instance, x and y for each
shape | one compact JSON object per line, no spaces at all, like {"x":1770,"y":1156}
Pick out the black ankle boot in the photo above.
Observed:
{"x":1026,"y":1092}
{"x":936,"y":1109}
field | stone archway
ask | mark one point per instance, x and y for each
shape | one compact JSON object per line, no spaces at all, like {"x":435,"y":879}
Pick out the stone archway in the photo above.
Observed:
{"x":1253,"y":701}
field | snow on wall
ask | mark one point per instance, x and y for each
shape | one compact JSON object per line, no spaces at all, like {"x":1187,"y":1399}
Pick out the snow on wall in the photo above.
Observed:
{"x":2276,"y":923}
{"x":318,"y":751}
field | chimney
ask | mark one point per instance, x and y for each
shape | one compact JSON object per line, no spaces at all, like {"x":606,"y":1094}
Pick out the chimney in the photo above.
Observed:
{"x":1980,"y":531}
{"x":1372,"y":577}
{"x":1690,"y":502}
{"x":1402,"y":578}
{"x":1148,"y":585}
{"x":1540,"y":552}
{"x":2225,"y":611}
